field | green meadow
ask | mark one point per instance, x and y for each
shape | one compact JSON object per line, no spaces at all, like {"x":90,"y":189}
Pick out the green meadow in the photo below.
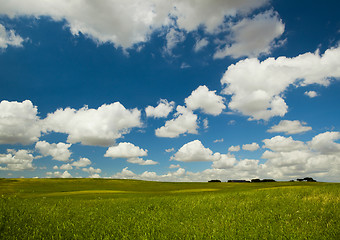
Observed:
{"x":131,"y":209}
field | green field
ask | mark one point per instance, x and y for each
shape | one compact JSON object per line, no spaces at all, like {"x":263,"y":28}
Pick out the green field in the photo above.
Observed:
{"x":131,"y":209}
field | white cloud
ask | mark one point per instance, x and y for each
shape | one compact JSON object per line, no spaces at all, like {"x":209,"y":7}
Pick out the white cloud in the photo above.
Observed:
{"x":98,"y":127}
{"x":58,"y":174}
{"x":92,"y":170}
{"x":211,"y":14}
{"x":83,"y":162}
{"x":185,"y":65}
{"x":133,"y":21}
{"x":253,"y":37}
{"x":234,"y":148}
{"x":140,"y":161}
{"x":20,"y":160}
{"x":257,"y":88}
{"x":289,"y":127}
{"x":250,"y":147}
{"x":325,"y":143}
{"x":174,"y":166}
{"x":162,"y":110}
{"x":66,"y":167}
{"x":206,"y":100}
{"x":169,"y":150}
{"x":173,"y":37}
{"x":224,"y":161}
{"x":284,"y":162}
{"x":129,"y":151}
{"x":311,"y":94}
{"x":9,"y":38}
{"x":193,"y":152}
{"x":125,"y":150}
{"x":282,"y":144}
{"x":218,"y":140}
{"x":59,"y":151}
{"x":205,"y":123}
{"x":200,"y":44}
{"x":184,"y":122}
{"x":19,"y":122}
{"x":55,"y":167}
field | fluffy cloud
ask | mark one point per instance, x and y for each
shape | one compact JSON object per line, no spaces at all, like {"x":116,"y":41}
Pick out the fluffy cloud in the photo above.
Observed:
{"x":58,"y":174}
{"x":325,"y":143}
{"x":9,"y":38}
{"x":133,"y":21}
{"x":250,"y":147}
{"x":16,"y":160}
{"x":83,"y":162}
{"x":234,"y":148}
{"x":129,"y":151}
{"x":224,"y":161}
{"x":200,"y":44}
{"x":218,"y":140}
{"x":66,"y":167}
{"x":253,"y":37}
{"x":311,"y":94}
{"x":257,"y":88}
{"x":59,"y":151}
{"x":174,"y":166}
{"x":320,"y":158}
{"x":125,"y":150}
{"x":19,"y":122}
{"x":193,"y":152}
{"x":282,"y":144}
{"x":206,"y":100}
{"x":92,"y":170}
{"x":184,"y":122}
{"x":169,"y":150}
{"x":98,"y":127}
{"x":289,"y":127}
{"x":162,"y":110}
{"x":173,"y":37}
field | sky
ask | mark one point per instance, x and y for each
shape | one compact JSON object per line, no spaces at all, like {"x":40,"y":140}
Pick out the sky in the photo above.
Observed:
{"x":180,"y":90}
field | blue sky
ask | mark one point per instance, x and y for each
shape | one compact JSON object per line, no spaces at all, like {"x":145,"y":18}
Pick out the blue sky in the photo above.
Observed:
{"x":170,"y":90}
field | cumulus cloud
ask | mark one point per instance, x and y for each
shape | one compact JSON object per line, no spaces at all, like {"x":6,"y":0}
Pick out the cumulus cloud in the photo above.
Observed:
{"x":58,"y":174}
{"x":174,"y":166}
{"x":193,"y":152}
{"x":162,"y":110}
{"x":218,"y":140}
{"x":58,"y":151}
{"x":234,"y":148}
{"x":133,"y":21}
{"x":200,"y":44}
{"x":184,"y":122}
{"x":224,"y":161}
{"x":20,"y":160}
{"x":173,"y":37}
{"x":66,"y":167}
{"x":19,"y":122}
{"x":97,"y":127}
{"x":311,"y":94}
{"x":169,"y":150}
{"x":250,"y":147}
{"x":206,"y":100}
{"x":92,"y":170}
{"x":320,"y":157}
{"x":283,"y":144}
{"x":289,"y":127}
{"x":253,"y":37}
{"x":325,"y":143}
{"x":129,"y":151}
{"x":9,"y":38}
{"x":83,"y":162}
{"x":257,"y":88}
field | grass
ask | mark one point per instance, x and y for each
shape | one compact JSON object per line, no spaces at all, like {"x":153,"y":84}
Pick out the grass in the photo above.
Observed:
{"x":130,"y":209}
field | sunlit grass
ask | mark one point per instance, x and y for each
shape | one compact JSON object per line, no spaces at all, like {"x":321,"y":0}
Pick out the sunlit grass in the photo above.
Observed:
{"x":126,"y":209}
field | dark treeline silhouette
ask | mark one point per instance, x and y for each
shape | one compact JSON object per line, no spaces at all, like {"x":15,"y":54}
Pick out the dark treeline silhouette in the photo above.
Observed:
{"x":257,"y":180}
